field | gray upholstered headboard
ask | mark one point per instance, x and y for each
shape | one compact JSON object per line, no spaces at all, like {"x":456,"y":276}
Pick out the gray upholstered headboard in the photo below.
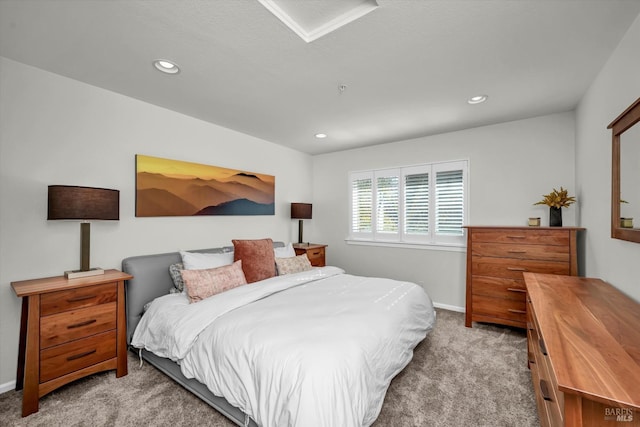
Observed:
{"x":151,"y":280}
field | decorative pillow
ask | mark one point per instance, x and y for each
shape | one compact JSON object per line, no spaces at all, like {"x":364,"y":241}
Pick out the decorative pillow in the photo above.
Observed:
{"x":285,"y":252}
{"x":293,"y":265}
{"x":258,"y":259}
{"x":175,"y":271}
{"x":198,"y":261}
{"x":201,"y":284}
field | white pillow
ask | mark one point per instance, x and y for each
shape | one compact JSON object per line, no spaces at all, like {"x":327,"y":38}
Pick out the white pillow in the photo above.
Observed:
{"x":285,"y":252}
{"x":198,"y":261}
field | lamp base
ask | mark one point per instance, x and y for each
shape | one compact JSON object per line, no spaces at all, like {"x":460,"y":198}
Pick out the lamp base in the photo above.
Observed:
{"x":75,"y":274}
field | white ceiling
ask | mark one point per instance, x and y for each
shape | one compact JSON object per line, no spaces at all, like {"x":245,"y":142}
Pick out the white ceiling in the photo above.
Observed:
{"x":409,"y":65}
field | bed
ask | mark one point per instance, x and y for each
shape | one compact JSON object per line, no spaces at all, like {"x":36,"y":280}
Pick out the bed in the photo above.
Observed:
{"x":313,"y":348}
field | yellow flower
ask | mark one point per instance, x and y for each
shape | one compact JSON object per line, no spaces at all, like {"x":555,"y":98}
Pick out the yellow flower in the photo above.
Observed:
{"x":557,"y":199}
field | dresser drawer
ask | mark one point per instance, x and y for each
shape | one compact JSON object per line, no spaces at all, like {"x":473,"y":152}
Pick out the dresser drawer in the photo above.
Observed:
{"x":72,"y":325}
{"x":549,"y":411}
{"x":513,"y":269}
{"x":522,"y":251}
{"x":499,"y":307}
{"x":546,"y":385}
{"x":63,"y":359}
{"x":57,"y":302}
{"x":499,"y":287}
{"x":521,"y":236}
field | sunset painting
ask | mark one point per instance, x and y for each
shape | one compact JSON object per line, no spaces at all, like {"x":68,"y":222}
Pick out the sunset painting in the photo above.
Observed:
{"x":174,"y":188}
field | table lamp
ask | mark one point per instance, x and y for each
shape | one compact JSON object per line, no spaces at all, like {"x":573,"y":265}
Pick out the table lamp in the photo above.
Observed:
{"x":300,"y":211}
{"x":71,"y":202}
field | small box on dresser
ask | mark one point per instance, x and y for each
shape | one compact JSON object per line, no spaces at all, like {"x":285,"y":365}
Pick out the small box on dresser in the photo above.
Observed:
{"x":496,"y":258}
{"x":70,"y":328}
{"x":583,"y":351}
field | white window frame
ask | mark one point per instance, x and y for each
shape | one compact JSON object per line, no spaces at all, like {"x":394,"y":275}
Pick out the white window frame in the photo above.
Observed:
{"x":430,"y":240}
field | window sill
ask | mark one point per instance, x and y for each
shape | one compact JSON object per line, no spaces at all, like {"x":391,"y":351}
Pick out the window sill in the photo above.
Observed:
{"x":450,"y":247}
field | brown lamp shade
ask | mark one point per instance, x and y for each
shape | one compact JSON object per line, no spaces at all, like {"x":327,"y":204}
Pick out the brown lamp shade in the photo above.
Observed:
{"x":300,"y":210}
{"x":83,"y":203}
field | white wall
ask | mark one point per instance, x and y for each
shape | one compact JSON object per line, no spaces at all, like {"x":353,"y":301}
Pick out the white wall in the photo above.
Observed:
{"x":511,"y":165}
{"x":616,"y":87}
{"x":54,"y":130}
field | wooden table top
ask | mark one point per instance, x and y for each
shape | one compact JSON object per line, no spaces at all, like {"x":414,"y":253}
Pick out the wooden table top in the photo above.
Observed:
{"x":592,"y":334}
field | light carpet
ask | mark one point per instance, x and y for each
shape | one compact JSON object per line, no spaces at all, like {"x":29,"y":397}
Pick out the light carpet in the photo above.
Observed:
{"x":458,"y":377}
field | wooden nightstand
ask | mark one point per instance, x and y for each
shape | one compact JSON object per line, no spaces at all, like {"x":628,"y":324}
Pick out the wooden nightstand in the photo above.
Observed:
{"x":70,"y":328}
{"x":314,"y":251}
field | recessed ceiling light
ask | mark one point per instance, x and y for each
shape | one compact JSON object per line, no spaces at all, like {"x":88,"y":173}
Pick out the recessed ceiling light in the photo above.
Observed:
{"x":166,"y":66}
{"x":321,"y":135}
{"x":478,"y":99}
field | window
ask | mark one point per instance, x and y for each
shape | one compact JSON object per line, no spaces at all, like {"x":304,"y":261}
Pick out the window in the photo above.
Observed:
{"x":423,"y":204}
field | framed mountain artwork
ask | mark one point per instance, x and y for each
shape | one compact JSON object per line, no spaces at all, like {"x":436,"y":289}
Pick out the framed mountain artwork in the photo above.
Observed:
{"x":167,"y":187}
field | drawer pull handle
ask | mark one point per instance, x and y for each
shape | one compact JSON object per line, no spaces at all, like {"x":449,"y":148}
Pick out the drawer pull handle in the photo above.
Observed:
{"x":315,"y":253}
{"x":517,"y":252}
{"x":517,"y":290}
{"x":516,"y":269}
{"x":513,"y":310}
{"x":81,"y":324}
{"x":81,"y":355}
{"x":517,"y":237}
{"x":543,"y":347}
{"x":544,"y":389}
{"x":81,"y":298}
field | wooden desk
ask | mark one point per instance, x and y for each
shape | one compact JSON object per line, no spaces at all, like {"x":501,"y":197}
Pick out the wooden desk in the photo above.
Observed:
{"x":70,"y":328}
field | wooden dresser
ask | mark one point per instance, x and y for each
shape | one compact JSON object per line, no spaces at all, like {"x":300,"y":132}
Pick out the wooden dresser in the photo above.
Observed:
{"x":70,"y":328}
{"x":584,"y":351}
{"x":496,"y":259}
{"x":314,"y":251}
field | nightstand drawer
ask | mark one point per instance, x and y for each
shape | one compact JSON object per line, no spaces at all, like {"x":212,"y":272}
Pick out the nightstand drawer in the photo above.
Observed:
{"x":315,"y":254}
{"x":56,"y":302}
{"x":72,"y":325}
{"x":63,"y":359}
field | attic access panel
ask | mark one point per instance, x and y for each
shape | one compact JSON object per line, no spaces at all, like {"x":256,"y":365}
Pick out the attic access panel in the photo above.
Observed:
{"x":313,"y":19}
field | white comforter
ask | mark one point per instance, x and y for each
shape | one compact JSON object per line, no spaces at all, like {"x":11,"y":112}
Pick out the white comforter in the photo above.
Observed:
{"x":316,"y":348}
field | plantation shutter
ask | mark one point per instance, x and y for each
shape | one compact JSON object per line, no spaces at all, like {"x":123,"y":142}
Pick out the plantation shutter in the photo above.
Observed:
{"x":387,"y":203}
{"x":361,"y":205}
{"x":421,"y":204}
{"x":416,"y":200}
{"x":449,"y":199}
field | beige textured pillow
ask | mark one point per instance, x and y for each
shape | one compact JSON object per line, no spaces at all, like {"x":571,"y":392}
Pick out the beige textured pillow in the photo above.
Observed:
{"x":201,"y":284}
{"x":293,"y":265}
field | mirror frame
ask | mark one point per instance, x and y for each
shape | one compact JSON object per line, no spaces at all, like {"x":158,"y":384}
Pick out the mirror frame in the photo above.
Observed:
{"x":622,"y":123}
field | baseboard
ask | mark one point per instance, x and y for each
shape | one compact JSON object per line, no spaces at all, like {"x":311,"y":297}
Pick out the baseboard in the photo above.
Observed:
{"x":448,"y":307}
{"x":7,"y":387}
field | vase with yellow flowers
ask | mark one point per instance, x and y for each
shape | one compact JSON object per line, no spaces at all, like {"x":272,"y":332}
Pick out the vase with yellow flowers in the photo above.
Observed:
{"x":556,"y":200}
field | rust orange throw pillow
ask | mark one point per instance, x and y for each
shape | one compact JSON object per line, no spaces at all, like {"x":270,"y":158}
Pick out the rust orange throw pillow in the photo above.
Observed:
{"x":258,"y":259}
